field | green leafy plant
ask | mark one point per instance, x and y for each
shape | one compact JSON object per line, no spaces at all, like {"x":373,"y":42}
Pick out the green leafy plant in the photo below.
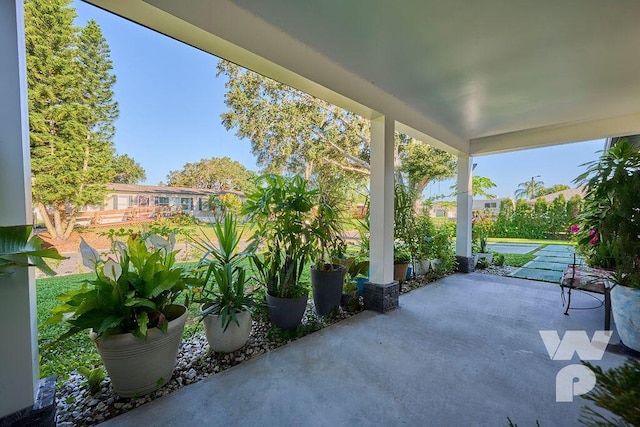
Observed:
{"x":498,"y":259}
{"x":482,"y":264}
{"x":221,"y":277}
{"x":93,"y":377}
{"x":280,"y":212}
{"x":134,"y":289}
{"x":401,"y":254}
{"x":617,"y":391}
{"x":18,"y":248}
{"x":326,"y":231}
{"x":608,"y":230}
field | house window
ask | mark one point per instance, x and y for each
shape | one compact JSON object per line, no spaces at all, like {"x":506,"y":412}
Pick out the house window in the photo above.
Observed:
{"x":490,"y":205}
{"x":186,"y":203}
{"x":143,"y":200}
{"x":162,"y":201}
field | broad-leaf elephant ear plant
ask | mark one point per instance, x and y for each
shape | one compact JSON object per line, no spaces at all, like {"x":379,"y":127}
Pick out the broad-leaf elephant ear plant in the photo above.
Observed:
{"x":18,"y":248}
{"x":609,"y":228}
{"x":134,"y":289}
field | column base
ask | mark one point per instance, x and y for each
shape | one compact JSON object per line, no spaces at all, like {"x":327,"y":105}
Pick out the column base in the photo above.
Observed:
{"x":43,"y":411}
{"x":466,"y":264}
{"x":381,"y":297}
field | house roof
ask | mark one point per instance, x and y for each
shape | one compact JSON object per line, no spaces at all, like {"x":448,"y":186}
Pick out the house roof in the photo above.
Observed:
{"x":472,"y":77}
{"x":162,"y":190}
{"x":569,"y":193}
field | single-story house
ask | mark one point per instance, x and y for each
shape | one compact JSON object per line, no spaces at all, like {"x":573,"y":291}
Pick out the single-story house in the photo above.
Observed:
{"x":133,"y":202}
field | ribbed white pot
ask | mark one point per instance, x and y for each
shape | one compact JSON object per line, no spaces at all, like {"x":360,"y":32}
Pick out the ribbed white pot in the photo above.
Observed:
{"x":235,"y":337}
{"x":137,"y":366}
{"x":422,"y":267}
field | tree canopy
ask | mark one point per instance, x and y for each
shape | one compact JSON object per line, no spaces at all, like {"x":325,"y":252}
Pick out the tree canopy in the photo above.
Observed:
{"x":219,"y":173}
{"x":127,"y":170}
{"x":479,"y":187}
{"x":71,"y":112}
{"x":292,"y":131}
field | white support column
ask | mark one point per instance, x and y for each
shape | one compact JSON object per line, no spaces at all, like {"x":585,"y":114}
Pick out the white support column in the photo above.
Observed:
{"x":19,"y":355}
{"x":464,"y":205}
{"x":381,"y":203}
{"x":381,"y":293}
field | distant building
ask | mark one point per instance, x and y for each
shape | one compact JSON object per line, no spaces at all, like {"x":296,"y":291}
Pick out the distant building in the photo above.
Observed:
{"x":132,"y":202}
{"x":448,"y":209}
{"x":569,"y":193}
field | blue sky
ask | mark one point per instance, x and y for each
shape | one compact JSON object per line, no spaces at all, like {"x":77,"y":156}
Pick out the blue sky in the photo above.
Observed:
{"x":170,"y":104}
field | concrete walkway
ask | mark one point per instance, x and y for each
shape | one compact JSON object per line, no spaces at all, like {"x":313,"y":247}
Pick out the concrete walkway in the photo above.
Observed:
{"x":463,"y":351}
{"x":549,"y":264}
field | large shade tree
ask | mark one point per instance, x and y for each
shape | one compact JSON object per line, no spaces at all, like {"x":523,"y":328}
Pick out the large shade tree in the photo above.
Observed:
{"x":71,"y":112}
{"x":127,"y":170}
{"x":219,"y":173}
{"x":292,"y":131}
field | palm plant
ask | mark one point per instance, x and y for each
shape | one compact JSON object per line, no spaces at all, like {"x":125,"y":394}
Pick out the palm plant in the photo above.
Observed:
{"x":529,"y":189}
{"x":221,"y":277}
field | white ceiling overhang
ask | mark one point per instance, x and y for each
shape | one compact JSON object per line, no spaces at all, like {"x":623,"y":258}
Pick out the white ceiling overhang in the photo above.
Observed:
{"x":471,"y":77}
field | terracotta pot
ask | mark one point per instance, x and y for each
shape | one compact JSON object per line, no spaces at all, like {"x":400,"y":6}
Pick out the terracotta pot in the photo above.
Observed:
{"x":400,"y":271}
{"x":138,"y":366}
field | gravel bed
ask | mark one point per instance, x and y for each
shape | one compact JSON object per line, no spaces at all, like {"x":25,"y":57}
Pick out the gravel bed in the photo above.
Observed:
{"x":503,"y":270}
{"x":77,"y":407}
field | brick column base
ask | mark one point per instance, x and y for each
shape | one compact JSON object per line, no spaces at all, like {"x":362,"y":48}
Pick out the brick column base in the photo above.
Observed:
{"x":381,"y":298}
{"x":466,"y":264}
{"x":43,"y":411}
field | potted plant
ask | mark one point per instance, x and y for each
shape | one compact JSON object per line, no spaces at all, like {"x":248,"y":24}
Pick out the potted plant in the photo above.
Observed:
{"x":401,"y":259}
{"x":280,"y":212}
{"x":424,"y":244}
{"x":327,"y":277}
{"x":356,"y":275}
{"x":609,"y":231}
{"x":221,"y":289}
{"x":18,"y":248}
{"x":483,"y":253}
{"x":130,"y":309}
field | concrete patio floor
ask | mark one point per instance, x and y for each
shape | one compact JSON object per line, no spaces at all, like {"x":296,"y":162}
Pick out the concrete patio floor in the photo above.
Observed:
{"x":462,"y":351}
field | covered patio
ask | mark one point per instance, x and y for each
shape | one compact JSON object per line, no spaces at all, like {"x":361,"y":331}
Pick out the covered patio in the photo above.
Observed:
{"x":474,"y":78}
{"x":475,"y":359}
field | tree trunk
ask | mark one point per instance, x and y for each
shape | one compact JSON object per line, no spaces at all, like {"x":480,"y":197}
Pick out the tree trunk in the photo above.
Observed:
{"x":47,"y":220}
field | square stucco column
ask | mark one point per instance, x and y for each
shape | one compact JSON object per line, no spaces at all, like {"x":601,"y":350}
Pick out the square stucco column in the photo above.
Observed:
{"x":19,"y":356}
{"x":381,"y":293}
{"x":466,"y":263}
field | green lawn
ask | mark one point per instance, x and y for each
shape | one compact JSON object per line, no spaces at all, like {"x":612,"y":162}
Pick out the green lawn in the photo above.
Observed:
{"x":533,"y":241}
{"x":518,"y":260}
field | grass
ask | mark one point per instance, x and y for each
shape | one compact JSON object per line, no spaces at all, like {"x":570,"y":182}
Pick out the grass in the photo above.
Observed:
{"x":532,"y":241}
{"x":518,"y":260}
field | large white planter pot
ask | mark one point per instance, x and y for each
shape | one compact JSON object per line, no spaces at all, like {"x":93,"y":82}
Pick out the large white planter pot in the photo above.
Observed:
{"x":235,"y":337}
{"x":422,"y":267}
{"x":625,"y":305}
{"x":138,"y":366}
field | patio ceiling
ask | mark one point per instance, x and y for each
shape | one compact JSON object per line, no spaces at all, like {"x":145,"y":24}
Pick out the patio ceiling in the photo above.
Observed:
{"x":474,"y":77}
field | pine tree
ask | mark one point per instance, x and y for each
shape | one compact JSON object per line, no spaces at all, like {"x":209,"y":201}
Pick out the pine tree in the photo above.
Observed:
{"x":71,"y":112}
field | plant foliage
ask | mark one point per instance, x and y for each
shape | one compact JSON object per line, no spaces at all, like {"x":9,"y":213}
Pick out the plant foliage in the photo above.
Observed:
{"x":134,"y":289}
{"x":221,"y":277}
